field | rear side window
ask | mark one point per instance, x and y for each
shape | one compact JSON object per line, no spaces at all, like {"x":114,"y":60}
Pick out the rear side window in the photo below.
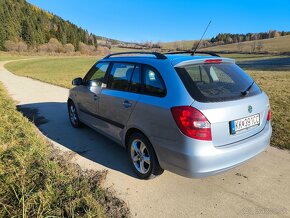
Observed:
{"x":153,"y":84}
{"x":120,"y":76}
{"x":216,"y":82}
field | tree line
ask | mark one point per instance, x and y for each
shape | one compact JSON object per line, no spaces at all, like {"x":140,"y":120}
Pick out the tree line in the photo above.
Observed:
{"x":26,"y":26}
{"x":227,"y":38}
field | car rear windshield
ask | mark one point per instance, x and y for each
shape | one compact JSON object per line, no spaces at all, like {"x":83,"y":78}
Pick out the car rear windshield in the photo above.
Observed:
{"x":217,"y":82}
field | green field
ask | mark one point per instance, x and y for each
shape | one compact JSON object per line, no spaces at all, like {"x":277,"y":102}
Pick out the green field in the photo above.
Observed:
{"x":55,"y":70}
{"x":60,"y":71}
{"x":36,"y":181}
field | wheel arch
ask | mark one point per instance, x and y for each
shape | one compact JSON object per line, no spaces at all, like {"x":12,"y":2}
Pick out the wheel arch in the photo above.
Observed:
{"x":132,"y":130}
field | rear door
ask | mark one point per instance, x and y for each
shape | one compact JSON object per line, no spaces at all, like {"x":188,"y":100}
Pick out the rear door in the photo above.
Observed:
{"x":229,"y":98}
{"x":119,"y":98}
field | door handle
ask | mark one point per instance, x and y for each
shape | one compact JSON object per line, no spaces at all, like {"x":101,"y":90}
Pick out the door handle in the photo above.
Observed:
{"x":96,"y":97}
{"x":127,"y":104}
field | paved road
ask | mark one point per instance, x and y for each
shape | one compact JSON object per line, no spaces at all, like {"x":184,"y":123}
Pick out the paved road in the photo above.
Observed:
{"x":259,"y":187}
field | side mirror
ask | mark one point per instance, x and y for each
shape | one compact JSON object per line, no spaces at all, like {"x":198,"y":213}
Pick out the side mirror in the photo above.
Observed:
{"x":77,"y":81}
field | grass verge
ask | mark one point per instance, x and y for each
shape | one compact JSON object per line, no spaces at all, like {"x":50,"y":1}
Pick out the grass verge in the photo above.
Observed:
{"x":276,"y":85}
{"x":36,"y":181}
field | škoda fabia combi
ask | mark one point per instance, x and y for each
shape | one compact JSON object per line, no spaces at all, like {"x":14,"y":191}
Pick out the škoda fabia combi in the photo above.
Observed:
{"x":192,"y":115}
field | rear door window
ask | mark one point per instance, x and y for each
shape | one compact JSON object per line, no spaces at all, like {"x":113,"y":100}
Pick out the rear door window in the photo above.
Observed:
{"x":120,"y":76}
{"x":216,"y":82}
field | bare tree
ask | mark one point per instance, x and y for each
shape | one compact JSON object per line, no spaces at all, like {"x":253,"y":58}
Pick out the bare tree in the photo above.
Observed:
{"x":240,"y":47}
{"x":260,"y":46}
{"x":69,"y":48}
{"x":17,"y":45}
{"x":253,"y":47}
{"x":87,"y":49}
{"x":55,"y":46}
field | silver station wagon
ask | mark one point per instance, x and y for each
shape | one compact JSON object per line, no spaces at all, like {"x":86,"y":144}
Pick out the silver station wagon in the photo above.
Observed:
{"x":192,"y":115}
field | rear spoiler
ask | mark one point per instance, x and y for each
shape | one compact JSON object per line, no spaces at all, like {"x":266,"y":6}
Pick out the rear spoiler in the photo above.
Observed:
{"x":205,"y":61}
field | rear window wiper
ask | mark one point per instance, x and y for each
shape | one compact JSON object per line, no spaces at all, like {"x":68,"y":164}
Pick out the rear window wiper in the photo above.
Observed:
{"x":246,"y":92}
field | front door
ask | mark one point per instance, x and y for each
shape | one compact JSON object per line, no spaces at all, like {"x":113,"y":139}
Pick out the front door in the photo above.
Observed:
{"x":89,"y":93}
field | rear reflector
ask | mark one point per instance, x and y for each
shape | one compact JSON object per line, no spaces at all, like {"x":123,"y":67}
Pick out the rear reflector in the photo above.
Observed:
{"x":213,"y":61}
{"x":192,"y":122}
{"x":269,"y":115}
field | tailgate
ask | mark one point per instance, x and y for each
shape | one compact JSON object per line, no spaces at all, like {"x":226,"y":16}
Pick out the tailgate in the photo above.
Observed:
{"x":222,"y":115}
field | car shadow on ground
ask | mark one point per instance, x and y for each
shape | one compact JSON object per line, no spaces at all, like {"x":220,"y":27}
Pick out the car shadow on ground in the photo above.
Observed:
{"x":52,"y":120}
{"x":267,"y":64}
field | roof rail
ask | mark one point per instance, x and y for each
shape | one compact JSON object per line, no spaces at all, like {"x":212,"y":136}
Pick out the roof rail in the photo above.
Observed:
{"x":193,"y":53}
{"x":157,"y":54}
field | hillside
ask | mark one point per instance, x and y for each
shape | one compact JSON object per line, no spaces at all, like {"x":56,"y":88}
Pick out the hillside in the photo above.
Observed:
{"x":20,"y":20}
{"x":273,"y":45}
{"x":183,"y":45}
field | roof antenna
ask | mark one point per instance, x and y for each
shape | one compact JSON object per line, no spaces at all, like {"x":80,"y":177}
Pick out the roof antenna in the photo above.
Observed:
{"x":200,"y":39}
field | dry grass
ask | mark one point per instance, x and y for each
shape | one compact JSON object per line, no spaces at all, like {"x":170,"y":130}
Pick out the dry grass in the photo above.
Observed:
{"x":276,"y":45}
{"x":276,"y":85}
{"x":5,"y":56}
{"x":36,"y":181}
{"x":184,"y":44}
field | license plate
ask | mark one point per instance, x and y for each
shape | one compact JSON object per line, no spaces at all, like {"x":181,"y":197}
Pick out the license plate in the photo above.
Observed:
{"x":244,"y":123}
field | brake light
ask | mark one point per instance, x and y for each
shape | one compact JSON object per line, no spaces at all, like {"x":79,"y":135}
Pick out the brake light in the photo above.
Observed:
{"x":269,"y":115}
{"x":192,"y":122}
{"x":213,"y":61}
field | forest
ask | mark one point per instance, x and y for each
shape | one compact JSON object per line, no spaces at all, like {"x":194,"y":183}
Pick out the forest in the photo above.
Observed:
{"x":227,"y":38}
{"x":28,"y":25}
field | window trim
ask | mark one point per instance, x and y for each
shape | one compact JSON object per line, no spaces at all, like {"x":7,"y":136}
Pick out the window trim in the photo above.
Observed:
{"x":141,"y":92}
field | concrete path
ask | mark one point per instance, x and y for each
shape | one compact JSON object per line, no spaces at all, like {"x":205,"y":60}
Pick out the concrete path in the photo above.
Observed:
{"x":261,"y":187}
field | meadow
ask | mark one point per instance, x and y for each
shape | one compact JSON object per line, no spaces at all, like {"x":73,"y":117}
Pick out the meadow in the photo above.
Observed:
{"x":272,"y":45}
{"x":54,"y":70}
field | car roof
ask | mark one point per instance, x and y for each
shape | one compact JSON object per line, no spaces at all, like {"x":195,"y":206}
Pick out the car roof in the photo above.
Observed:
{"x":175,"y":60}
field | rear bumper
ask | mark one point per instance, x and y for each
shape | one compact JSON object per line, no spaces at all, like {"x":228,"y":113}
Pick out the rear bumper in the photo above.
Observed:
{"x":196,"y":159}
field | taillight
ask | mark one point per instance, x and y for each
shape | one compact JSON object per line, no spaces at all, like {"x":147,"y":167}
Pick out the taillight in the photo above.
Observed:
{"x":213,"y":61}
{"x":192,"y":122}
{"x":269,"y":115}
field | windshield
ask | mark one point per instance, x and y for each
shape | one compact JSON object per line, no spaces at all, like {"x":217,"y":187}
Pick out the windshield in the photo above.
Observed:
{"x":217,"y":82}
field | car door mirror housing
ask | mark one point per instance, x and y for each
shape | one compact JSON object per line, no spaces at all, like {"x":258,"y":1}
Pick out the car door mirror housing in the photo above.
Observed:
{"x":77,"y":81}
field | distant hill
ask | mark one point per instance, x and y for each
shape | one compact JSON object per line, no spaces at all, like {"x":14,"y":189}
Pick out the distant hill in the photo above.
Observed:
{"x":271,"y":41}
{"x":274,"y":45}
{"x":20,"y":20}
{"x":182,"y":44}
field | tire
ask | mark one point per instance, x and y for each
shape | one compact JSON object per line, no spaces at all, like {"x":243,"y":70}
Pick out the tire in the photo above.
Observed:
{"x":142,"y":157}
{"x":73,"y":115}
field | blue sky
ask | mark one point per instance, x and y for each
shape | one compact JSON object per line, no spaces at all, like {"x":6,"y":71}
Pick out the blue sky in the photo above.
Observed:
{"x":170,"y":20}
